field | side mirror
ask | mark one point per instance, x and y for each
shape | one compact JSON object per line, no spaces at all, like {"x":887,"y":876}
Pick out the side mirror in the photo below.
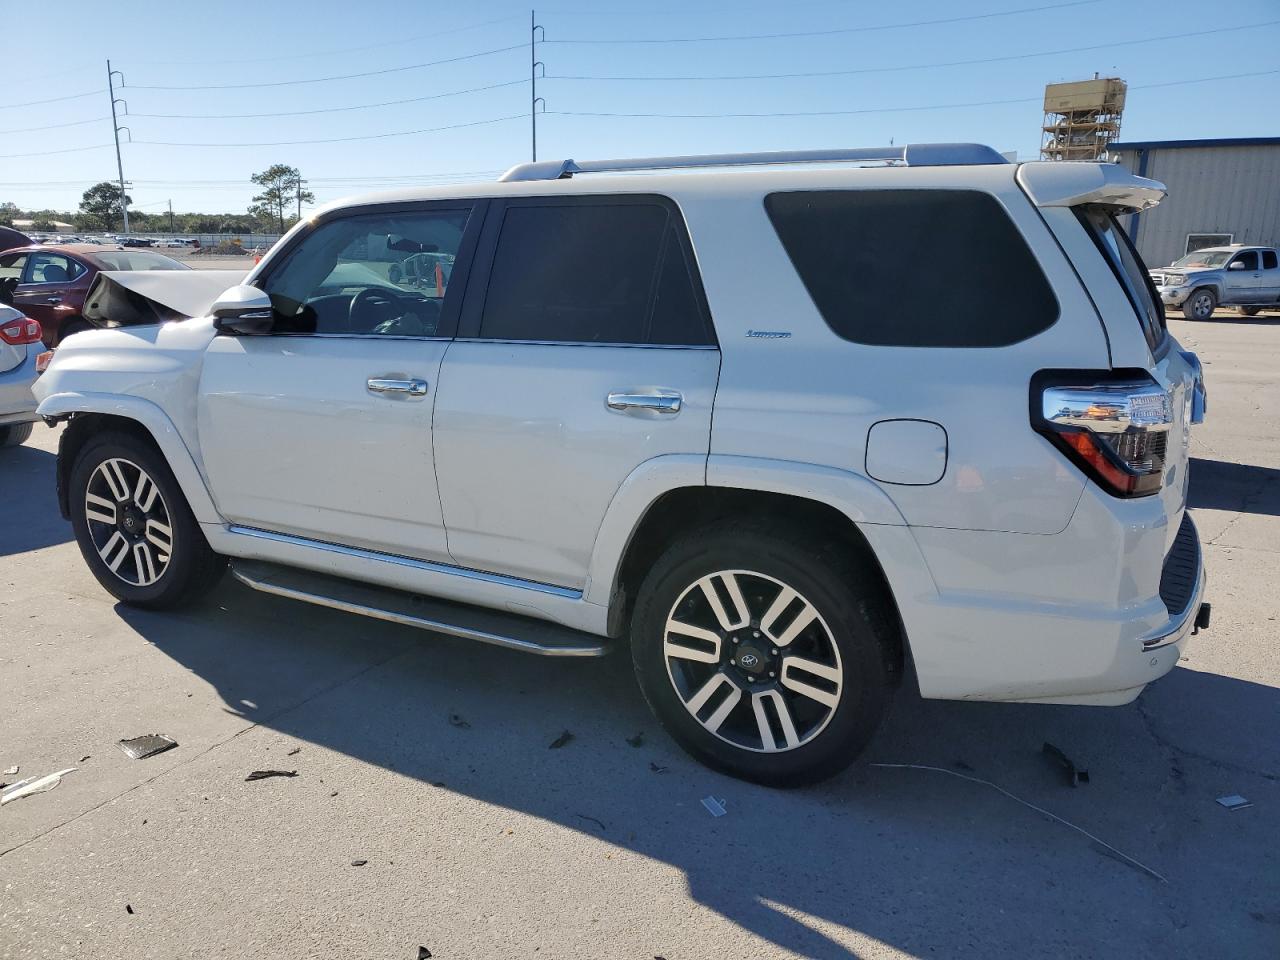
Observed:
{"x":1236,"y":265}
{"x":243,"y":311}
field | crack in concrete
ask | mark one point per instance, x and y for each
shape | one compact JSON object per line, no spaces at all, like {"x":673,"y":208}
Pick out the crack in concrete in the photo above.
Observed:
{"x":1176,"y":753}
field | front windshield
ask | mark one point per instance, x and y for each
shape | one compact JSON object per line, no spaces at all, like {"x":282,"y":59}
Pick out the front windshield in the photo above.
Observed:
{"x":132,"y":260}
{"x":1204,"y":258}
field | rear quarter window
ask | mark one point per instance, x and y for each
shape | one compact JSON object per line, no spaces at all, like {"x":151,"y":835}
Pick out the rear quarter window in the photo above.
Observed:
{"x":914,"y":268}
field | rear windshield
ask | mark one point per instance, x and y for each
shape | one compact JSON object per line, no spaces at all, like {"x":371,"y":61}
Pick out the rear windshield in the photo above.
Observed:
{"x":915,"y":268}
{"x":129,"y":260}
{"x":1129,"y":269}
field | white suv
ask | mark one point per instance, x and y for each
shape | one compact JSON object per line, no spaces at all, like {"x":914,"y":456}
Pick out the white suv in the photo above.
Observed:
{"x":781,"y":423}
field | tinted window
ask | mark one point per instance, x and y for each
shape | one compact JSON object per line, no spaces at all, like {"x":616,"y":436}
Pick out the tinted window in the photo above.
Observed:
{"x":1269,"y":260}
{"x":1123,"y":259}
{"x":11,"y":265}
{"x":377,"y":274}
{"x":592,"y":273}
{"x":52,"y":268}
{"x":1249,"y":259}
{"x":917,"y":268}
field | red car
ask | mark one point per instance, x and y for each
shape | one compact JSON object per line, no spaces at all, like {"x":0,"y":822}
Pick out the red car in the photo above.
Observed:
{"x":50,"y":283}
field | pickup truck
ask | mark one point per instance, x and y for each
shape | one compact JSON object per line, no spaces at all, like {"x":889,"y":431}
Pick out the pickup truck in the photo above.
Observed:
{"x":1247,"y":278}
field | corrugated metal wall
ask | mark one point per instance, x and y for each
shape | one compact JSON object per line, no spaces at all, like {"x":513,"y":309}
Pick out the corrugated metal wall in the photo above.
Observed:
{"x":1225,"y":189}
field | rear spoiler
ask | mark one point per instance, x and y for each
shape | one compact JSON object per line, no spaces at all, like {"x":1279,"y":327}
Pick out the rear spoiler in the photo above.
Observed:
{"x":1071,"y":183}
{"x":126,"y":298}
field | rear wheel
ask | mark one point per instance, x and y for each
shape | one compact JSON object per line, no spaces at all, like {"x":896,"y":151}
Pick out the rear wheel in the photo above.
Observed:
{"x":134,"y":527}
{"x":764,"y":657}
{"x":1200,"y":305}
{"x":15,"y":434}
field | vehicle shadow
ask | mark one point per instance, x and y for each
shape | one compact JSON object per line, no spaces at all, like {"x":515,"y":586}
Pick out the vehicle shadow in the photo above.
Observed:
{"x":918,"y":860}
{"x":29,"y":519}
{"x":1238,"y":487}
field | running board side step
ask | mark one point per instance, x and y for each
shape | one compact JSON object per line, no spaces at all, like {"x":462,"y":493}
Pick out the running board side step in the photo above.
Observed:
{"x":413,"y":610}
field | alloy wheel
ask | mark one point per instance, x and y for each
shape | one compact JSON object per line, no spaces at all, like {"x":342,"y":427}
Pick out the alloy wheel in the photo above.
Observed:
{"x":752,"y":660}
{"x":1202,"y":307}
{"x":128,"y":522}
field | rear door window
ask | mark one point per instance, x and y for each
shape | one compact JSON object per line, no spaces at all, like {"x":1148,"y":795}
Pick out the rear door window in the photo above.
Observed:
{"x":1123,"y":259}
{"x":601,"y":271}
{"x":52,"y":268}
{"x":1269,"y":260}
{"x":915,"y":268}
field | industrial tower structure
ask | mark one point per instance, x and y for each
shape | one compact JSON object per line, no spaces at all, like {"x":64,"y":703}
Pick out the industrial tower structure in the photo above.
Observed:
{"x":1082,"y":119}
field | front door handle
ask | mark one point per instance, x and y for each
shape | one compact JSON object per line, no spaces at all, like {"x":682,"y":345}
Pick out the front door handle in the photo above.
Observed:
{"x":412,"y":388}
{"x":52,"y":299}
{"x":667,"y":402}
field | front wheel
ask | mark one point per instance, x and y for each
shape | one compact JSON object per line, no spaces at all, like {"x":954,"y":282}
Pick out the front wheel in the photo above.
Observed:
{"x":1200,"y":305}
{"x":134,"y":527}
{"x":763,"y":656}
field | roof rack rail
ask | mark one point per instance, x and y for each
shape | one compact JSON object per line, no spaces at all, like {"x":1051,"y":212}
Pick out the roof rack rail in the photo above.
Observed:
{"x":913,"y":155}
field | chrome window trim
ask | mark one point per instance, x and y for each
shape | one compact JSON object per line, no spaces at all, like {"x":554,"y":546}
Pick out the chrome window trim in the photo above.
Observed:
{"x":590,"y":343}
{"x":427,"y":566}
{"x":357,"y":336}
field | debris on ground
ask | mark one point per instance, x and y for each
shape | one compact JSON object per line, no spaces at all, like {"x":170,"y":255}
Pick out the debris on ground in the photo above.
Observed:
{"x":637,"y":740}
{"x":85,"y":757}
{"x":33,"y":785}
{"x":1075,"y":774}
{"x":561,"y":740}
{"x":11,"y":771}
{"x":334,"y":793}
{"x":263,"y":774}
{"x":358,"y":863}
{"x":1030,"y":806}
{"x":128,"y":909}
{"x":598,"y":823}
{"x":139,"y":748}
{"x":657,"y":768}
{"x":1235,"y":802}
{"x":714,"y":807}
{"x":456,"y":720}
{"x":294,"y":752}
{"x":424,"y":953}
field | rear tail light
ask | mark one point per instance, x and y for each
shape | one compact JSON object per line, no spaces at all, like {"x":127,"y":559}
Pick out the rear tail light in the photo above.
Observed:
{"x":43,"y":360}
{"x":1115,"y":430}
{"x":21,"y":330}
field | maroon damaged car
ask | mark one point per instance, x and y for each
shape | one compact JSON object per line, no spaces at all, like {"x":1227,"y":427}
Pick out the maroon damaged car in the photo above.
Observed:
{"x":50,"y":283}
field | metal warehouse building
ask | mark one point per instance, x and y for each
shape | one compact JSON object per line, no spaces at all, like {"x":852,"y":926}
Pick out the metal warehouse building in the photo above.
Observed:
{"x":1220,"y":191}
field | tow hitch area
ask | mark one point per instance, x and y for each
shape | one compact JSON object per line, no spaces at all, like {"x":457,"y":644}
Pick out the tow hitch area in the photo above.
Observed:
{"x":1202,"y":618}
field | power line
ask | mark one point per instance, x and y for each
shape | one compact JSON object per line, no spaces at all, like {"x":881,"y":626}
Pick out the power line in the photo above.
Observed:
{"x":373,"y":136}
{"x":927,"y":66}
{"x":304,"y":113}
{"x":841,"y":30}
{"x":58,"y":126}
{"x":73,"y":96}
{"x":345,"y":76}
{"x":849,"y":113}
{"x":329,"y":53}
{"x":45,"y":153}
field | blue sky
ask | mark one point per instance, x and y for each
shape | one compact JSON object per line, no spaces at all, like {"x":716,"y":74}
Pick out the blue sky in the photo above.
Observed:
{"x":219,"y":48}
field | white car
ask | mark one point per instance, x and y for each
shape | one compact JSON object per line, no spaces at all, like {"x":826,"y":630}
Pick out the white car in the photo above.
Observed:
{"x":173,"y":242}
{"x":20,"y":347}
{"x":779,"y":425}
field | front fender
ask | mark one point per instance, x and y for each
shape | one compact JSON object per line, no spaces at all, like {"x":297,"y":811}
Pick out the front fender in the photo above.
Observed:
{"x":157,"y":423}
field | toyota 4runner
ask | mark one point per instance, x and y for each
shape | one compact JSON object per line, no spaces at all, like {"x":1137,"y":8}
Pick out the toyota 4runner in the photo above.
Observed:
{"x":779,"y":423}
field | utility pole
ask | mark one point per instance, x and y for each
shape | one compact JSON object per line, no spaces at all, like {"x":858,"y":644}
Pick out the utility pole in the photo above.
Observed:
{"x":171,"y":230}
{"x":534,"y":64}
{"x":115,"y":129}
{"x":301,"y":183}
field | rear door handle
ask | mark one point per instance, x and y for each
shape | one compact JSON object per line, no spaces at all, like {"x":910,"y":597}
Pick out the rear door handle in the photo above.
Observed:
{"x":412,"y":388}
{"x":665,"y":401}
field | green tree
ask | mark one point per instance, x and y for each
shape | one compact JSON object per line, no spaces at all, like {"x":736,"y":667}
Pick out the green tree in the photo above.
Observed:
{"x":100,"y":206}
{"x":282,"y":188}
{"x":43,"y":224}
{"x":8,"y":210}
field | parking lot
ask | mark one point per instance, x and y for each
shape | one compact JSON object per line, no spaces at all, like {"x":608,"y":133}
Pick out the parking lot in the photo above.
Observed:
{"x":433,"y":763}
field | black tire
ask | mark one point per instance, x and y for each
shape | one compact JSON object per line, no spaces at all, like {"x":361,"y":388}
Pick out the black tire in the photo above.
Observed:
{"x":1200,"y":305}
{"x":15,"y":434}
{"x":1249,"y":311}
{"x":192,"y":568}
{"x":394,"y":273}
{"x":848,"y":599}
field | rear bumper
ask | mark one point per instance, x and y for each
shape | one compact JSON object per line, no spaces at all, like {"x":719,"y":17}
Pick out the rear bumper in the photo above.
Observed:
{"x":17,"y":402}
{"x":1090,"y":615}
